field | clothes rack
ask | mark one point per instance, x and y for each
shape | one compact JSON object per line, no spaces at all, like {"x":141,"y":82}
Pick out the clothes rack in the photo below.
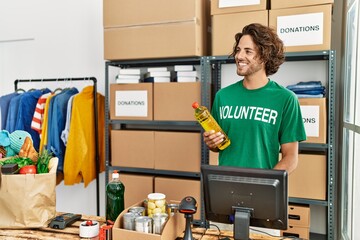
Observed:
{"x":93,"y":79}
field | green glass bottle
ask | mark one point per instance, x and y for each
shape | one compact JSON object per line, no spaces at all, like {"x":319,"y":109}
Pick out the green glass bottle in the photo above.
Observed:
{"x":115,"y":191}
{"x":208,"y":123}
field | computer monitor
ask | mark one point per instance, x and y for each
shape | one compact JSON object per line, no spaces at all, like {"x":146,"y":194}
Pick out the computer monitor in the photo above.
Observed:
{"x":245,"y":197}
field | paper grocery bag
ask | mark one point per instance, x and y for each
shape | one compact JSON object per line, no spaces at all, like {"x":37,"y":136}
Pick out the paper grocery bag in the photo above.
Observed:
{"x":28,"y":200}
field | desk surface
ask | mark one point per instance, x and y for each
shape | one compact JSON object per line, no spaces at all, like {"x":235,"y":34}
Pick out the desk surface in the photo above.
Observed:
{"x":72,"y":232}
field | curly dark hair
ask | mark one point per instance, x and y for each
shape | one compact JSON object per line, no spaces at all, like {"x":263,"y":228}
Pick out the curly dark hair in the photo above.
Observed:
{"x":270,"y":46}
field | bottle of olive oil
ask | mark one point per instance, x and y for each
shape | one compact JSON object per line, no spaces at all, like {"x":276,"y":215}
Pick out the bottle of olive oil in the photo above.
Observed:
{"x":208,"y":123}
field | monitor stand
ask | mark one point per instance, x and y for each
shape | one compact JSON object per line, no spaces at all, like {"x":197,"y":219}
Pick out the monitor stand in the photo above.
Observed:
{"x":242,"y":223}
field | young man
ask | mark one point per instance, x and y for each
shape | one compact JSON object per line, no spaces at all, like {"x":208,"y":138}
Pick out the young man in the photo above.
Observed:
{"x":259,"y":116}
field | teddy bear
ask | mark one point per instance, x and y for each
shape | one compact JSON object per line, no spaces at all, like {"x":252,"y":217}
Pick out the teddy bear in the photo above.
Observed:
{"x":18,"y":143}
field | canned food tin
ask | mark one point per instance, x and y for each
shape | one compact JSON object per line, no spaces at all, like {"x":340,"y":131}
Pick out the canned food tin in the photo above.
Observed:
{"x":129,"y":220}
{"x":159,"y":220}
{"x":172,"y":208}
{"x":143,"y":224}
{"x":138,"y":211}
{"x":156,"y":204}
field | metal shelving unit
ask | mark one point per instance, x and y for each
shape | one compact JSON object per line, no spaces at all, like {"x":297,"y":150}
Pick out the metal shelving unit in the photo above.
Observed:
{"x":184,"y":126}
{"x":213,"y":64}
{"x":210,"y":83}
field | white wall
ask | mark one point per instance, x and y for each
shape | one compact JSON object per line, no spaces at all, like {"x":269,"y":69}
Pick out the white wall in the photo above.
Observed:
{"x":54,"y":39}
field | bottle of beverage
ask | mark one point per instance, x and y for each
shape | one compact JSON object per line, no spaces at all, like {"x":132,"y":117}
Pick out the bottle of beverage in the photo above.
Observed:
{"x":207,"y":121}
{"x":115,"y":190}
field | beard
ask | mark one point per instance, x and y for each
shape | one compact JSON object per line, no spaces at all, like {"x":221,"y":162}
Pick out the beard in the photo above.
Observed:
{"x":249,"y":69}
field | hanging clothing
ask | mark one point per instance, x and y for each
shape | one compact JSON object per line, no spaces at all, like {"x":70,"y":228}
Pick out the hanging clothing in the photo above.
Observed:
{"x":57,"y":123}
{"x":65,"y":133}
{"x":26,"y":111}
{"x":38,"y":117}
{"x":79,"y":162}
{"x":12,"y":113}
{"x":4,"y":106}
{"x":43,"y":140}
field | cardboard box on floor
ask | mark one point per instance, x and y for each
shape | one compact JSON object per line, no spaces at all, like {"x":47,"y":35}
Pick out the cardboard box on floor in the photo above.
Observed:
{"x":131,"y":101}
{"x":172,"y":229}
{"x":225,"y":6}
{"x":225,"y":26}
{"x":303,"y":28}
{"x":313,"y":111}
{"x":276,"y":4}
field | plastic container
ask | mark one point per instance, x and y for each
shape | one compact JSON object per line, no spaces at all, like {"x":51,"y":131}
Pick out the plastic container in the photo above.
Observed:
{"x":156,"y":203}
{"x":115,"y":190}
{"x":208,"y":123}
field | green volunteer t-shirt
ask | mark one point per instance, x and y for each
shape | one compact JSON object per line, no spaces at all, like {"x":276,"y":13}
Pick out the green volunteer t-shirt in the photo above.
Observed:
{"x":257,"y":122}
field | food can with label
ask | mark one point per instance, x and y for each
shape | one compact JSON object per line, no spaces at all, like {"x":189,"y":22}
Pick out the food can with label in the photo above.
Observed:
{"x":129,"y":220}
{"x":138,"y":211}
{"x":159,"y":220}
{"x":143,"y":224}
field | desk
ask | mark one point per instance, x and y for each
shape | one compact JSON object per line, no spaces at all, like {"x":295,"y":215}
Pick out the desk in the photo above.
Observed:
{"x":71,"y":232}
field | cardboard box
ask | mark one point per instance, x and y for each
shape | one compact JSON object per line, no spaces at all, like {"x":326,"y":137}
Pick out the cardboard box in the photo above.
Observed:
{"x":137,"y":187}
{"x":164,"y":24}
{"x":276,"y":4}
{"x":177,"y":189}
{"x":303,"y":28}
{"x":308,"y":180}
{"x":224,"y":29}
{"x":131,"y":101}
{"x":213,"y":158}
{"x":132,"y":148}
{"x":139,"y":12}
{"x":172,"y":101}
{"x":172,"y":229}
{"x":299,"y":215}
{"x":178,"y":151}
{"x":313,"y":111}
{"x":226,"y":6}
{"x":296,"y":231}
{"x":161,"y":39}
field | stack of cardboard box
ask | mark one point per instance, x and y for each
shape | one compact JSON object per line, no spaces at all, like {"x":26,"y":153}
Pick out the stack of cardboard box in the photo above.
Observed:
{"x":139,"y":29}
{"x":151,"y":149}
{"x":299,"y":222}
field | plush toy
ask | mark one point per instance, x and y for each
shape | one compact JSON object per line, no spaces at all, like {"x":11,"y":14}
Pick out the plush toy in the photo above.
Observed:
{"x":19,"y":143}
